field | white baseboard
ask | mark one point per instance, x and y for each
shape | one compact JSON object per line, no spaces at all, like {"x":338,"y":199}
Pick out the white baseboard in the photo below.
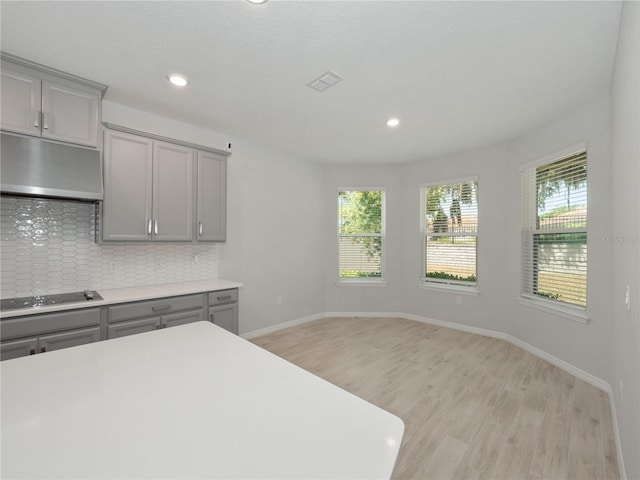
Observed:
{"x":553,"y":360}
{"x":281,"y":326}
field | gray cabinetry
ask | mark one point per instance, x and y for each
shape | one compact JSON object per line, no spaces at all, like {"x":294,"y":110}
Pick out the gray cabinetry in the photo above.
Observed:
{"x":132,"y":327}
{"x":33,"y":334}
{"x":139,"y":317}
{"x":172,"y":192}
{"x":223,"y":309}
{"x":40,"y":103}
{"x":128,"y":166}
{"x":19,"y":348}
{"x":148,"y":189}
{"x":56,"y":341}
{"x":211,"y":207}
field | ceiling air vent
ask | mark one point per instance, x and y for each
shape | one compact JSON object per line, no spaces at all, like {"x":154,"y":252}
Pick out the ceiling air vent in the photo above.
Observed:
{"x":324,"y":81}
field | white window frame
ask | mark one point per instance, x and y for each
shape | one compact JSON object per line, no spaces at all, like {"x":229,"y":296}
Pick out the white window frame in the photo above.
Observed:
{"x":364,"y":281}
{"x":457,"y":287}
{"x":529,"y":206}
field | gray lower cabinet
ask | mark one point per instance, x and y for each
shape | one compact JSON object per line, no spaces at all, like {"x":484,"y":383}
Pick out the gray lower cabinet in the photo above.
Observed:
{"x":19,"y":348}
{"x":33,"y":334}
{"x":133,"y":327}
{"x":56,"y":341}
{"x":223,"y":309}
{"x":139,"y":317}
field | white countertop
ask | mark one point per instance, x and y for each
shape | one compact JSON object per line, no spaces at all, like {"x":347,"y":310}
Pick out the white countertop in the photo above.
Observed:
{"x":193,"y":401}
{"x":130,"y":294}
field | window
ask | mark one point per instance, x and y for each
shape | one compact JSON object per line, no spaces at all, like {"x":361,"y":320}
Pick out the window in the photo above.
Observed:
{"x":361,"y":235}
{"x":554,"y":231}
{"x":449,"y":224}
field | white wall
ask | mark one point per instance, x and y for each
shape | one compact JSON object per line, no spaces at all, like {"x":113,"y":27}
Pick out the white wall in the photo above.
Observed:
{"x":587,"y":347}
{"x":274,"y":242}
{"x":486,"y":310}
{"x":496,"y":307}
{"x":625,"y":233}
{"x":350,"y":298}
{"x":273,"y":219}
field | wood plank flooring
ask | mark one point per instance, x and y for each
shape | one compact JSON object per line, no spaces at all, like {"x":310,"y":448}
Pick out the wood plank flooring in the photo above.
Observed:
{"x":474,"y":407}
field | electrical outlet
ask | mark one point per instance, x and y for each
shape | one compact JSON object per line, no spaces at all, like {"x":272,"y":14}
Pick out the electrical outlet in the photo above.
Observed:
{"x":278,"y":300}
{"x":620,"y":392}
{"x":627,"y":297}
{"x":458,"y":299}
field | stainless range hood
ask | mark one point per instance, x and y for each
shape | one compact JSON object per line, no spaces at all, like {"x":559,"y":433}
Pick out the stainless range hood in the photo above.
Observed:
{"x":36,"y":167}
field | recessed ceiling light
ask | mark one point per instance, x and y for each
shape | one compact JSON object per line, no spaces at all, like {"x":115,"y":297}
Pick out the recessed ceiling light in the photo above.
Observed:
{"x":393,"y":122}
{"x":178,"y":80}
{"x":257,"y":2}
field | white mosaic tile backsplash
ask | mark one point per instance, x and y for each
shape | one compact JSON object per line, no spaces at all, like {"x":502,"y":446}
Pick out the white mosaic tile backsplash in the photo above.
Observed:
{"x":47,"y":246}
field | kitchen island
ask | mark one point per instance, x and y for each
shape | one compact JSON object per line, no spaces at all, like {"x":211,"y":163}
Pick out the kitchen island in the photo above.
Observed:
{"x":193,"y":401}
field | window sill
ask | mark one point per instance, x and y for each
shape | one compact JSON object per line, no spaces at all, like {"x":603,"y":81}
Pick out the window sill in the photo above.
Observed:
{"x":361,"y":283}
{"x":570,"y":313}
{"x":458,"y":290}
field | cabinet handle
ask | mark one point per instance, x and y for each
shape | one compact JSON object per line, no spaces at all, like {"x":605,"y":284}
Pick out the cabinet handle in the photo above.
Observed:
{"x":43,"y":349}
{"x":164,"y":325}
{"x":199,"y":228}
{"x":224,"y":297}
{"x":155,"y":227}
{"x":162,"y":308}
{"x":32,"y":351}
{"x":211,"y":317}
{"x":149,"y":223}
{"x":36,"y":118}
{"x":45,"y":121}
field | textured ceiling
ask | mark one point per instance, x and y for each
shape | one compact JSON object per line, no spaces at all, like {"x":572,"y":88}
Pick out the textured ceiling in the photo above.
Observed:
{"x":459,"y":75}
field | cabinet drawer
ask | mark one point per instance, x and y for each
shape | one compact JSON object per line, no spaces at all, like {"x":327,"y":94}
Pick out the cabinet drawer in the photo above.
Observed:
{"x":51,"y":322}
{"x":161,"y":306}
{"x":221,"y":297}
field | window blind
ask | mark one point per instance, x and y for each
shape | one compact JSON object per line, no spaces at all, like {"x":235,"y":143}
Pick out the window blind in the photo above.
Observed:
{"x":554,"y":231}
{"x":360,"y":234}
{"x":449,"y":214}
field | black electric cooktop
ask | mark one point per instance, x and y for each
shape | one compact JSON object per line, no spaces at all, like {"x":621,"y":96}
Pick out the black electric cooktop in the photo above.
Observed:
{"x":42,"y":300}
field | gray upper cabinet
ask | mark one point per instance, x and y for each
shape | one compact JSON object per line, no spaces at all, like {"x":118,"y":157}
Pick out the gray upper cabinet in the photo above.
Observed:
{"x":212,"y":197}
{"x":40,"y":103}
{"x":128,"y":167}
{"x":21,"y":102}
{"x":148,"y":189}
{"x":172,"y":192}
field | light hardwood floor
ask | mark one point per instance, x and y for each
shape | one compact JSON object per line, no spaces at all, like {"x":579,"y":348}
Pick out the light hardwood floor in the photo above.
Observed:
{"x":474,"y":407}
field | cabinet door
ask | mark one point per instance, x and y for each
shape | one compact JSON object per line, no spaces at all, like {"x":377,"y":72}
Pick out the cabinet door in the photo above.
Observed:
{"x":18,"y":348}
{"x":172,"y":192}
{"x":182,"y":318}
{"x":21,"y":101}
{"x":225,"y":316}
{"x":128,"y":165}
{"x":212,"y":197}
{"x":133,"y":327}
{"x":70,"y":114}
{"x":56,"y":341}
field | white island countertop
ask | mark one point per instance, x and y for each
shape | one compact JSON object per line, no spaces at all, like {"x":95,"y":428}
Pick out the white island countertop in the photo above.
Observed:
{"x":192,"y":401}
{"x":130,"y":294}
